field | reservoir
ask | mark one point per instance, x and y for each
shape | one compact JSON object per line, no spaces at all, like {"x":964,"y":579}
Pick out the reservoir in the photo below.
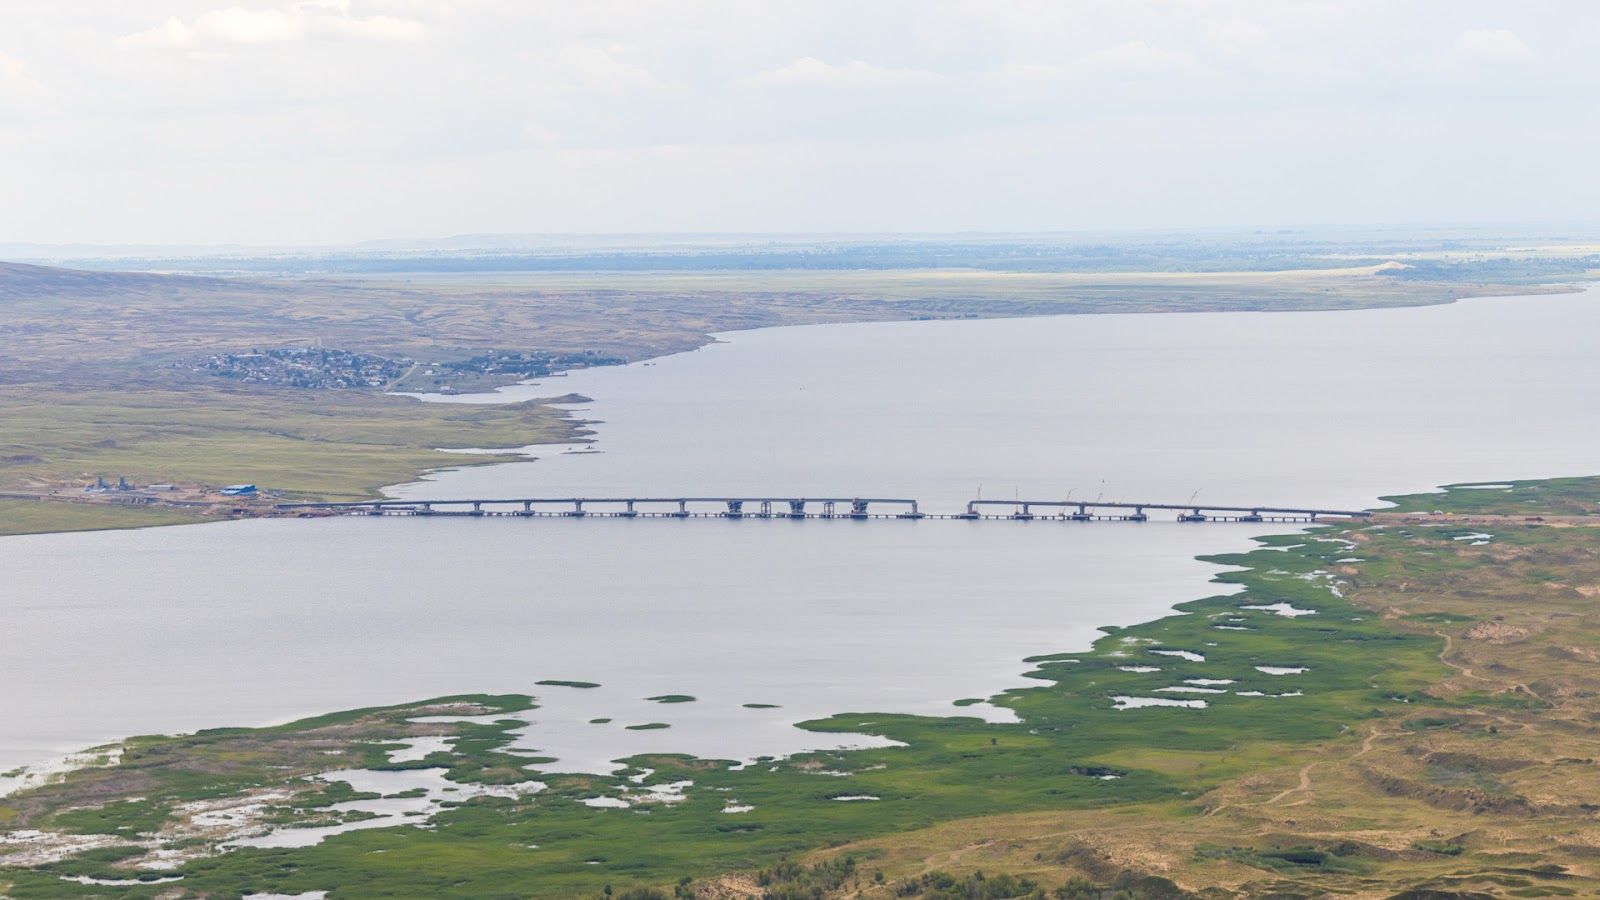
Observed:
{"x":116,"y":633}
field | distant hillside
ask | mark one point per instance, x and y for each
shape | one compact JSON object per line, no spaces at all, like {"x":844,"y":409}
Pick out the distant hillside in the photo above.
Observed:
{"x":19,"y":281}
{"x":78,"y":325}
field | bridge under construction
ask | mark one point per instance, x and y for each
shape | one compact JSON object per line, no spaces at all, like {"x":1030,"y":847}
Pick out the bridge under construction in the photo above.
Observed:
{"x":857,"y":508}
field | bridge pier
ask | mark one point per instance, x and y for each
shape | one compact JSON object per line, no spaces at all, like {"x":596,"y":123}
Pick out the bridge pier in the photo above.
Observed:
{"x":797,"y":509}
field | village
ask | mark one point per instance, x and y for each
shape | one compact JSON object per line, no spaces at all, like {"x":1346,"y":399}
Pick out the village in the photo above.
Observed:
{"x":333,"y":369}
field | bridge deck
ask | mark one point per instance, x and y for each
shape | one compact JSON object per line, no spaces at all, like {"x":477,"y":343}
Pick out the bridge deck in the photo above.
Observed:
{"x":817,"y":508}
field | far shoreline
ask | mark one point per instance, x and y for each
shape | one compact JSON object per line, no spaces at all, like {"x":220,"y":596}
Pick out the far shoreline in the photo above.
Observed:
{"x":98,"y":517}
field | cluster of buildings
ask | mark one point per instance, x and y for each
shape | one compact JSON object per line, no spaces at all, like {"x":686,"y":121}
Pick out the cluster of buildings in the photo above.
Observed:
{"x":306,"y":367}
{"x":318,"y":367}
{"x":124,"y":491}
{"x":523,"y":363}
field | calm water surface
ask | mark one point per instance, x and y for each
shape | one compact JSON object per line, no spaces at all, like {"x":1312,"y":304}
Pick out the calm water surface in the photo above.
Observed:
{"x":171,"y":629}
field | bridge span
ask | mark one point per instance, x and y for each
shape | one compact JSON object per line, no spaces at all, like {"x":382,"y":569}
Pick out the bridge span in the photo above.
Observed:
{"x":814,"y":508}
{"x":638,"y":507}
{"x":1103,"y":510}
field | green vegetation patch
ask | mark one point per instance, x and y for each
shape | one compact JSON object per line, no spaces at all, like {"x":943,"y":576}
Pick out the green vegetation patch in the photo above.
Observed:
{"x":41,"y":516}
{"x":937,"y":885}
{"x":155,"y":775}
{"x":324,"y":444}
{"x":671,"y":698}
{"x":124,"y":818}
{"x":1341,"y":858}
{"x":1544,"y":497}
{"x":1443,"y":848}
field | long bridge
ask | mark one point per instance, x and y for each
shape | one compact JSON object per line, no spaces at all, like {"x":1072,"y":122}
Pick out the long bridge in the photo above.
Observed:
{"x":815,"y":508}
{"x":1098,"y":510}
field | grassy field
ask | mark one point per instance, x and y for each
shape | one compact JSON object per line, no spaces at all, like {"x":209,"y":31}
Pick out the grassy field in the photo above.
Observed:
{"x":323,"y":443}
{"x":1428,"y":727}
{"x":33,"y":517}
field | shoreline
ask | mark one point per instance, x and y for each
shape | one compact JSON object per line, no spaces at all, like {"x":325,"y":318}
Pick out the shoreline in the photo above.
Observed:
{"x":1258,"y":666}
{"x":574,"y":429}
{"x":1030,"y":667}
{"x":1262,"y":540}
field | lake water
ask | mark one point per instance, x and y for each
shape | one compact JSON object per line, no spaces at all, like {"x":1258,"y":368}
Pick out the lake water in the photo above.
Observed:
{"x":115,"y":633}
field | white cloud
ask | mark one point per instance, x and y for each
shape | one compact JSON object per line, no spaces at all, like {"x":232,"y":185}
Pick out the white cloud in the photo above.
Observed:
{"x":856,"y":73}
{"x":1492,"y":45}
{"x":11,"y":68}
{"x":235,"y":25}
{"x":1237,"y":38}
{"x":1032,"y":72}
{"x":15,"y":78}
{"x":372,"y":28}
{"x":595,"y":69}
{"x":299,"y":21}
{"x":1137,"y":56}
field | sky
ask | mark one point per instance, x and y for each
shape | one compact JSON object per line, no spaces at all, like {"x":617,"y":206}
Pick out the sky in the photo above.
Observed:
{"x":292,"y":122}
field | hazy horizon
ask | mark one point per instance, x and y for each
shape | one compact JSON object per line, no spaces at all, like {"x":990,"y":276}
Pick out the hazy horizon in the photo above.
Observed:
{"x":1577,"y":235}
